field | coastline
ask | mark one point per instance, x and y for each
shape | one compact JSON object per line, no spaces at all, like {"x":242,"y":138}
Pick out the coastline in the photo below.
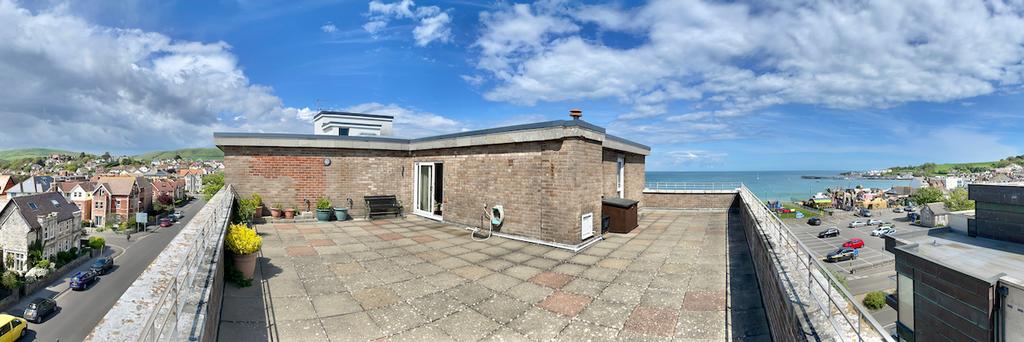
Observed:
{"x":778,"y":185}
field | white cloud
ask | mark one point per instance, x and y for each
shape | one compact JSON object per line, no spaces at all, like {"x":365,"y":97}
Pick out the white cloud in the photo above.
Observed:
{"x":410,"y":123}
{"x":696,"y":157}
{"x":328,"y":28}
{"x":67,"y":83}
{"x":433,"y":28}
{"x":433,"y":24}
{"x":733,"y":58}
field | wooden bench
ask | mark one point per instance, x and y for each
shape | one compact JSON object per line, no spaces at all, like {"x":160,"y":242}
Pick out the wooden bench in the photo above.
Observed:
{"x":383,"y":205}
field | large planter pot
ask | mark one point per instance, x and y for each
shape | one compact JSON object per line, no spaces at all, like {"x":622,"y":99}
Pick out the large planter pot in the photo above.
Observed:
{"x":275,"y":212}
{"x":323,"y":215}
{"x":246,"y":264}
{"x":289,"y":213}
{"x":341,"y":214}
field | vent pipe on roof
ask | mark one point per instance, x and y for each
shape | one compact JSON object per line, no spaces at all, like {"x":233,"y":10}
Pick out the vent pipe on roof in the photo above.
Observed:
{"x":576,"y":113}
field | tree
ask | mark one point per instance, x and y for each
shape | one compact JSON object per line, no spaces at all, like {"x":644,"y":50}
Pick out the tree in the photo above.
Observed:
{"x":958,"y":200}
{"x":10,"y":280}
{"x":874,"y":300}
{"x":177,"y":157}
{"x":165,"y":199}
{"x":106,"y":155}
{"x":927,"y":195}
{"x":97,"y":243}
{"x":212,"y":184}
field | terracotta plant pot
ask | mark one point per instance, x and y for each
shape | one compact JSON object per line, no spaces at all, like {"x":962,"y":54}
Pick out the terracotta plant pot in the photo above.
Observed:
{"x":275,"y":212}
{"x":289,"y":213}
{"x":246,"y":264}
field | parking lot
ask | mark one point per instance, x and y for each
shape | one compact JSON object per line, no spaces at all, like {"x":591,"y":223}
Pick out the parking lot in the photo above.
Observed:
{"x":872,"y":256}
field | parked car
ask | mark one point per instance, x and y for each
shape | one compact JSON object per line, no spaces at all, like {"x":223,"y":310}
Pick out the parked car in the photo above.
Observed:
{"x":897,"y":210}
{"x":857,"y":223}
{"x":166,"y":222}
{"x":814,"y":221}
{"x":12,"y":328}
{"x":82,"y":280}
{"x":39,"y":309}
{"x":102,"y":265}
{"x":854,"y":243}
{"x":909,"y":209}
{"x":832,"y":231}
{"x":178,"y":215}
{"x":882,"y":231}
{"x":873,"y":222}
{"x":865,"y":213}
{"x":842,"y":254}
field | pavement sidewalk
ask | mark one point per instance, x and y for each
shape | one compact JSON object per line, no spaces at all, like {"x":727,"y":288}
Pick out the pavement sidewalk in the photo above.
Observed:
{"x":58,"y":286}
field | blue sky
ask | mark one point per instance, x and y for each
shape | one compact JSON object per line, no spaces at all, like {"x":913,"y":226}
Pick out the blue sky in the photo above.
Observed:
{"x":709,"y":85}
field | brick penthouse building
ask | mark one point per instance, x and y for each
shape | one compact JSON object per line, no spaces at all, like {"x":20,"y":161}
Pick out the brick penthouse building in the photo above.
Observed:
{"x":550,"y":177}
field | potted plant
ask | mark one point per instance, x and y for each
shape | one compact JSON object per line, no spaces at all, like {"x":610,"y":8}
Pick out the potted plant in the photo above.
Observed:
{"x":243,"y":242}
{"x":323,"y":210}
{"x":289,"y":213}
{"x":275,"y":211}
{"x":258,"y":201}
{"x":246,"y":210}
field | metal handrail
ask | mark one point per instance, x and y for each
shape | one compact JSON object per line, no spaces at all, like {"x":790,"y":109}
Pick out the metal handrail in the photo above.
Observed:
{"x":693,"y":185}
{"x":170,"y":306}
{"x":794,"y":245}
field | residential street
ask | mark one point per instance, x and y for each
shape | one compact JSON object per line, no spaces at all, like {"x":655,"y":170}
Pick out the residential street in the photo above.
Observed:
{"x":79,"y":311}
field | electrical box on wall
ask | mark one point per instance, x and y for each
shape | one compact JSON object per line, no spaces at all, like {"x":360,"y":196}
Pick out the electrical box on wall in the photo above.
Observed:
{"x":587,"y":225}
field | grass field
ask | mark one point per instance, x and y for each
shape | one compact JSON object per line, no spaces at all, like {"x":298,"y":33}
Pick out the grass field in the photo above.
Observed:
{"x":188,"y":153}
{"x":807,"y":213}
{"x":31,"y":153}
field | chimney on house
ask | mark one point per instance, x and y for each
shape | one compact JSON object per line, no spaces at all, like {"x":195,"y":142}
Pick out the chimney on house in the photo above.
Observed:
{"x":576,"y":113}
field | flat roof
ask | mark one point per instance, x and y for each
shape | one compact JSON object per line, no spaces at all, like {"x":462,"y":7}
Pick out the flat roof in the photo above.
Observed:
{"x":509,"y":134}
{"x":981,"y":258}
{"x":331,"y":112}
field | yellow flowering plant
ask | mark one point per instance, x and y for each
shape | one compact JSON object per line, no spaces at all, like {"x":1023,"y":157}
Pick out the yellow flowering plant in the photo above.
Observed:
{"x":242,"y":240}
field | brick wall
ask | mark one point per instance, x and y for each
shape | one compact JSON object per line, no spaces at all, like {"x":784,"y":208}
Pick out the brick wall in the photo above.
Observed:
{"x":634,"y":177}
{"x":291,"y":176}
{"x":545,"y":187}
{"x":665,"y":199}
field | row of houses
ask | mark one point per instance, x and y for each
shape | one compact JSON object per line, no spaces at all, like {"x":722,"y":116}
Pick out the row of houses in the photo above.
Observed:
{"x":106,"y":198}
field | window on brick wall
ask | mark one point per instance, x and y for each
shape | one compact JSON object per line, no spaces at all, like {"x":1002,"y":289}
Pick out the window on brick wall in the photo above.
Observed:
{"x":620,"y":176}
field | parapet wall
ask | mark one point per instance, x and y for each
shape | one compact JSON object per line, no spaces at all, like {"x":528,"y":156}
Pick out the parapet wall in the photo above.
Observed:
{"x":782,"y":318}
{"x":689,"y":199}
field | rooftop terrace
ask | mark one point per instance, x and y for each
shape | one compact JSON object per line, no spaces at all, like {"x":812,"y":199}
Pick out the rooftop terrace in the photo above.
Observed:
{"x":681,"y":275}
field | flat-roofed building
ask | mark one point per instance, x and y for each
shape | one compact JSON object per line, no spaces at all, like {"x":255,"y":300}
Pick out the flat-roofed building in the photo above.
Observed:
{"x":954,"y":285}
{"x":351,"y":124}
{"x":548,"y":177}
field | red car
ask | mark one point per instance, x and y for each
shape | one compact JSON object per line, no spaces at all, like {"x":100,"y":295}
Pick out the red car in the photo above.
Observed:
{"x":165,"y":222}
{"x":854,"y":243}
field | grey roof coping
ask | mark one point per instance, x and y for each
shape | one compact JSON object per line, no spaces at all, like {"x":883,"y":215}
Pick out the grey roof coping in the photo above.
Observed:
{"x":981,"y":258}
{"x":322,"y":112}
{"x":389,"y":143}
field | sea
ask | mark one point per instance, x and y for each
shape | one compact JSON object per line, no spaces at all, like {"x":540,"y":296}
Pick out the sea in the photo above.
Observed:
{"x":775,"y":185}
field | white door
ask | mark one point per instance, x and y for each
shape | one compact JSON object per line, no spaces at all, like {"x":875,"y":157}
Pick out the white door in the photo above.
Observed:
{"x":425,"y":199}
{"x":587,"y":227}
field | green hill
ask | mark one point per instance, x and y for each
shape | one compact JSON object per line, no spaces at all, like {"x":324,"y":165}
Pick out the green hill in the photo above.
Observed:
{"x":188,"y":153}
{"x":31,"y":153}
{"x":931,"y":169}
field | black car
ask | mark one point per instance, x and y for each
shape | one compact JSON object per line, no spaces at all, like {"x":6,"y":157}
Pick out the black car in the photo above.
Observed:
{"x":842,"y":254}
{"x":82,"y":280}
{"x":39,"y":309}
{"x":829,"y":232}
{"x":814,"y":221}
{"x":102,"y":265}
